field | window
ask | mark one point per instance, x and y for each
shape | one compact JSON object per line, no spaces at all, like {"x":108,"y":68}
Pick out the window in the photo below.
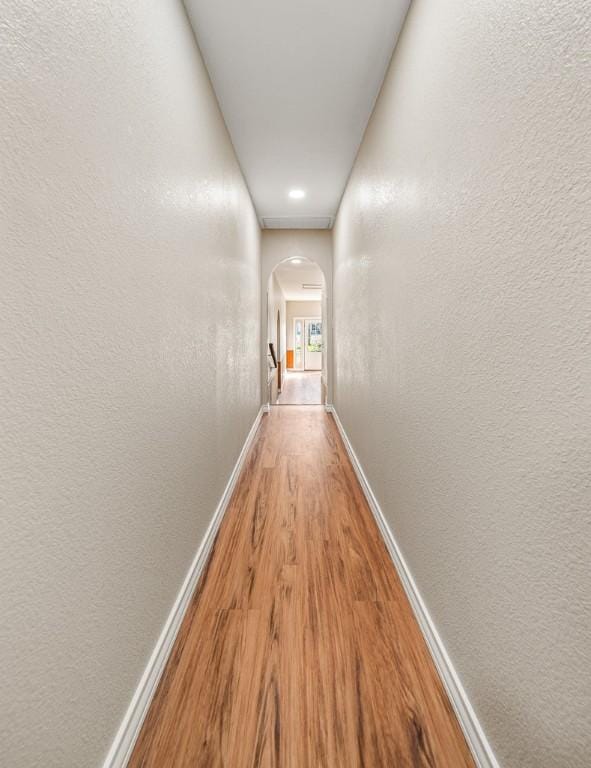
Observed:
{"x":314,"y":341}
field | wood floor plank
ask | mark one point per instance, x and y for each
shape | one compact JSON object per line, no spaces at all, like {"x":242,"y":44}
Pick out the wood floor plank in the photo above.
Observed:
{"x":300,"y":649}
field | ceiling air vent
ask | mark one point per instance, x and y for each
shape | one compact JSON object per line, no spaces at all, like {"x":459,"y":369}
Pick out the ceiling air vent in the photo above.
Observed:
{"x":296,"y":222}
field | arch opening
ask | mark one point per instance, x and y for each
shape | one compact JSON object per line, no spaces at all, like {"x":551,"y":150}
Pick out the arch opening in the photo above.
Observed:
{"x":296,"y":333}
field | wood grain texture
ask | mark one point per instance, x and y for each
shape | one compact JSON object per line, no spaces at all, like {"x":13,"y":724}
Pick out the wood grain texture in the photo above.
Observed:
{"x":300,"y":649}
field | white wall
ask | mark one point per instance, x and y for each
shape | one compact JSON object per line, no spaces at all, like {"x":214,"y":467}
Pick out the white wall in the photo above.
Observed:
{"x":315,"y":244}
{"x":461,"y":296}
{"x":300,"y":309}
{"x":130,"y":354}
{"x":275,"y":304}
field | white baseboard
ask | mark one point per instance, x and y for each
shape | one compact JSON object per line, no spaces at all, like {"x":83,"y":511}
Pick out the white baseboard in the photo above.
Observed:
{"x":124,"y":741}
{"x":472,"y":729}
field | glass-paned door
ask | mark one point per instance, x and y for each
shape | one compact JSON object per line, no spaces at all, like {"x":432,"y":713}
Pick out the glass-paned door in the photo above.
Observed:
{"x":313,"y":344}
{"x":298,"y":344}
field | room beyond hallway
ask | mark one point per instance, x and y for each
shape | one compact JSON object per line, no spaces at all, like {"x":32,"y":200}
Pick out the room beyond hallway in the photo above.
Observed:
{"x":301,"y":388}
{"x":300,"y":648}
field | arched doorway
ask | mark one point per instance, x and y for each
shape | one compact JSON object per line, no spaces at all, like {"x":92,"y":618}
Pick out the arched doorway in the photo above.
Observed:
{"x":277,"y":247}
{"x":296,"y":310}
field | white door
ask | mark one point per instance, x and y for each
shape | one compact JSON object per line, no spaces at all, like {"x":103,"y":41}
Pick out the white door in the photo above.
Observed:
{"x":298,"y":344}
{"x":313,"y":344}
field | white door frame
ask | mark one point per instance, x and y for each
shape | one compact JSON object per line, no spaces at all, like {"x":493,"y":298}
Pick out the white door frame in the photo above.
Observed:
{"x":316,"y":320}
{"x":293,"y":322}
{"x":304,"y":318}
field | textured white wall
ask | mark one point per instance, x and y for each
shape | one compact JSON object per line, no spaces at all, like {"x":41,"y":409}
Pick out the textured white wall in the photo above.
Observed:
{"x":315,"y":244}
{"x":130,"y":345}
{"x":461,"y":292}
{"x":275,"y":304}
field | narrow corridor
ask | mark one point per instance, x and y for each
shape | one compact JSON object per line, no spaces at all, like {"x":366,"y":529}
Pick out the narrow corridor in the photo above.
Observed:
{"x":300,"y":648}
{"x":295,"y":446}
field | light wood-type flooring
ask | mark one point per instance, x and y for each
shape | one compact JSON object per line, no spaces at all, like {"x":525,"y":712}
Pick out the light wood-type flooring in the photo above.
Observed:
{"x":301,"y":388}
{"x":300,"y":649}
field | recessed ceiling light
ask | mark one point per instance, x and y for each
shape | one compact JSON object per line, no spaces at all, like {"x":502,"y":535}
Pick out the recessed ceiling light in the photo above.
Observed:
{"x":296,"y":261}
{"x":297,"y":194}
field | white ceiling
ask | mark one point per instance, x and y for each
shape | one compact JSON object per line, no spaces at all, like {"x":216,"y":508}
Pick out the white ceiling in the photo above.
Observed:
{"x":296,"y":82}
{"x":292,"y":277}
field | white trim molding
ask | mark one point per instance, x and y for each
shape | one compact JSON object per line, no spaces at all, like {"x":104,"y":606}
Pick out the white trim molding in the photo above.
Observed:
{"x":126,"y":736}
{"x":475,"y":737}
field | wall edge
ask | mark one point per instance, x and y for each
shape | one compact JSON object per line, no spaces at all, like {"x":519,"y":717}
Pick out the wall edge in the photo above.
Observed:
{"x":122,"y":746}
{"x":469,"y":723}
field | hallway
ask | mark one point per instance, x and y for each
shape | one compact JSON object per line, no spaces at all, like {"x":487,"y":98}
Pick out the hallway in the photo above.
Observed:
{"x":381,"y":209}
{"x":300,"y":649}
{"x":301,"y":388}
